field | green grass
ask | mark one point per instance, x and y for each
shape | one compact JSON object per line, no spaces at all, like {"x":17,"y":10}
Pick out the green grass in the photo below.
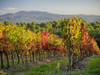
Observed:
{"x":47,"y":69}
{"x":93,"y":67}
{"x":55,"y":68}
{"x":17,"y":68}
{"x":52,"y":68}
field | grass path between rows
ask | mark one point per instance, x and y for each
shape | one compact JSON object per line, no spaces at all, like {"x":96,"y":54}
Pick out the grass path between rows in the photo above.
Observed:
{"x":38,"y":68}
{"x":91,"y":66}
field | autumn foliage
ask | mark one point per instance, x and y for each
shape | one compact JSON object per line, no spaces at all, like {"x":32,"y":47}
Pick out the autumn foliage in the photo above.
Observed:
{"x":14,"y":39}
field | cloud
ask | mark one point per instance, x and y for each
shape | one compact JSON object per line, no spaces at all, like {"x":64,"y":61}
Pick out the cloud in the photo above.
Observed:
{"x":8,"y":10}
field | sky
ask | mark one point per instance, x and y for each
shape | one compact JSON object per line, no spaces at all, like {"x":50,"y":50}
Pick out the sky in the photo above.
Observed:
{"x":87,"y":7}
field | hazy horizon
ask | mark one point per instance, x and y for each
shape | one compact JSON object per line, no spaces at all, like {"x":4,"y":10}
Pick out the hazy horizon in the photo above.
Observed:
{"x":47,"y":12}
{"x":62,"y":7}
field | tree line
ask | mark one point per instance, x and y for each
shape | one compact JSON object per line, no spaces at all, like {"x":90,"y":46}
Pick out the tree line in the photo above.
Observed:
{"x":54,"y":27}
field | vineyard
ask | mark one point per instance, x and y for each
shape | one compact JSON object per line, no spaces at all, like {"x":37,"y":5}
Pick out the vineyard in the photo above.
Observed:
{"x":19,"y":45}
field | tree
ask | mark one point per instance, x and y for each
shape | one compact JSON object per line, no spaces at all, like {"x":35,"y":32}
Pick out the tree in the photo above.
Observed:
{"x":38,"y":28}
{"x":6,"y":23}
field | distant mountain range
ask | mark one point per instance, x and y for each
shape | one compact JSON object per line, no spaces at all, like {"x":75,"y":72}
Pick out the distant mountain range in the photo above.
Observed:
{"x":38,"y":17}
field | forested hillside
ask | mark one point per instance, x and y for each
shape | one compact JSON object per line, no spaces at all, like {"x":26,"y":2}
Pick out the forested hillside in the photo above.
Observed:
{"x":38,"y":17}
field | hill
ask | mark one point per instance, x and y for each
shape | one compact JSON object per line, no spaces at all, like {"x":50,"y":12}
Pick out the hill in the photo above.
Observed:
{"x":37,"y":16}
